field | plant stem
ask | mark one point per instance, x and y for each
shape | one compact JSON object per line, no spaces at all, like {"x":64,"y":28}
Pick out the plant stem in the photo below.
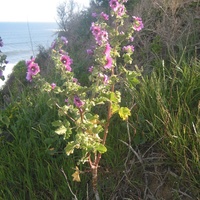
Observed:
{"x":94,"y":165}
{"x":70,"y":189}
{"x":94,"y":181}
{"x":109,"y":114}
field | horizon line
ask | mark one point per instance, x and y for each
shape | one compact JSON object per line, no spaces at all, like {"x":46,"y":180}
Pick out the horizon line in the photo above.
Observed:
{"x":28,"y":21}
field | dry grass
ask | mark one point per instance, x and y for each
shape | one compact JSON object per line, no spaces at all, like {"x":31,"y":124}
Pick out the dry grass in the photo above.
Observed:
{"x":147,"y":176}
{"x":170,"y":27}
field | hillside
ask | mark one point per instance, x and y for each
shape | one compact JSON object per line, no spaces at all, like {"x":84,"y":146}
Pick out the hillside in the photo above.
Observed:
{"x":150,"y":153}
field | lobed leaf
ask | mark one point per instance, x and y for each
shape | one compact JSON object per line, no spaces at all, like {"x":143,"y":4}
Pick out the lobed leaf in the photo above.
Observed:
{"x":124,"y":113}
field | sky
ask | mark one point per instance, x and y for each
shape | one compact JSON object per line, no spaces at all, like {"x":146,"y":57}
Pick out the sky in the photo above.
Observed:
{"x":32,"y":10}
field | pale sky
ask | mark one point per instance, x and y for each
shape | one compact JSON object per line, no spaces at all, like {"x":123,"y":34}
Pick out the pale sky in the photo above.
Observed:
{"x":32,"y":10}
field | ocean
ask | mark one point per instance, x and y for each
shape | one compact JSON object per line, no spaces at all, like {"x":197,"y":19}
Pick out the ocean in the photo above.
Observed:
{"x":22,"y":39}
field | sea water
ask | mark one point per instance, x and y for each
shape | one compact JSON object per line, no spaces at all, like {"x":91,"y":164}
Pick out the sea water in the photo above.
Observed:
{"x":22,"y":40}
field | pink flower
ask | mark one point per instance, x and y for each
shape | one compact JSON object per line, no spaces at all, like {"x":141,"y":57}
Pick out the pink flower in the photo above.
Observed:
{"x":90,"y":69}
{"x":107,"y":50}
{"x":78,"y":103}
{"x":28,"y":76}
{"x":33,"y":68}
{"x":64,"y":39}
{"x":105,"y":16}
{"x":94,"y":15}
{"x":68,"y":68}
{"x":129,"y":48}
{"x":75,"y":80}
{"x":90,"y":51}
{"x":137,"y":24}
{"x":114,"y":4}
{"x":53,"y":85}
{"x":120,"y":10}
{"x":67,"y":61}
{"x":108,"y":57}
{"x":102,"y":37}
{"x":95,"y":29}
{"x":28,"y":62}
{"x":131,"y":39}
{"x":108,"y":63}
{"x":105,"y":79}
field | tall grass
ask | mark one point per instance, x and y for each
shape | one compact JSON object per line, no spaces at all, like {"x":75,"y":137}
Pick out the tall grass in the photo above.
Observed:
{"x":27,"y":170}
{"x":169,"y":109}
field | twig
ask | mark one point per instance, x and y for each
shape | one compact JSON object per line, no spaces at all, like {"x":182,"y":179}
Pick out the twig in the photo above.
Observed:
{"x":68,"y":184}
{"x":87,"y":192}
{"x":141,"y":162}
{"x":152,"y":146}
{"x":183,"y":193}
{"x":65,"y":113}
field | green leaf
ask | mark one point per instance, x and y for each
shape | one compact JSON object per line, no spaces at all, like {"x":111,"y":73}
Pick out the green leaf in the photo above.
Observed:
{"x":101,"y":148}
{"x":97,"y":129}
{"x":61,"y":130}
{"x":57,"y":123}
{"x":68,"y":129}
{"x":57,"y":90}
{"x":132,"y":77}
{"x":115,"y":108}
{"x":69,"y":149}
{"x":127,"y":58}
{"x":5,"y":120}
{"x":124,"y":113}
{"x":46,"y":87}
{"x":51,"y":102}
{"x":115,"y":97}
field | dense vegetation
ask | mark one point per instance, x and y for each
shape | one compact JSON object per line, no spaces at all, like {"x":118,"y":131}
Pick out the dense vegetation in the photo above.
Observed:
{"x":153,"y":156}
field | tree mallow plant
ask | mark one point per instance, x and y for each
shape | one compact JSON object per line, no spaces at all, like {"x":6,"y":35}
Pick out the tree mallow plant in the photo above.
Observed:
{"x":80,"y":123}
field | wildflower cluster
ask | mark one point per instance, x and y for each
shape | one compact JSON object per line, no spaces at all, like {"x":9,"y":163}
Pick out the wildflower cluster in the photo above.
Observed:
{"x":32,"y":69}
{"x":137,"y":25}
{"x":101,"y":35}
{"x":76,"y":103}
{"x":64,"y":57}
{"x":118,"y":7}
{"x":3,"y":61}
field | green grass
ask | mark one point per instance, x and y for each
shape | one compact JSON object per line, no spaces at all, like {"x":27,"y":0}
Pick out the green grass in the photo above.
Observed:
{"x":169,"y":109}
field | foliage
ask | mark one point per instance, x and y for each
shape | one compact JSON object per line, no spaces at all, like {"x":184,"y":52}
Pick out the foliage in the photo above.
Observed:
{"x":15,"y":82}
{"x":3,"y":61}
